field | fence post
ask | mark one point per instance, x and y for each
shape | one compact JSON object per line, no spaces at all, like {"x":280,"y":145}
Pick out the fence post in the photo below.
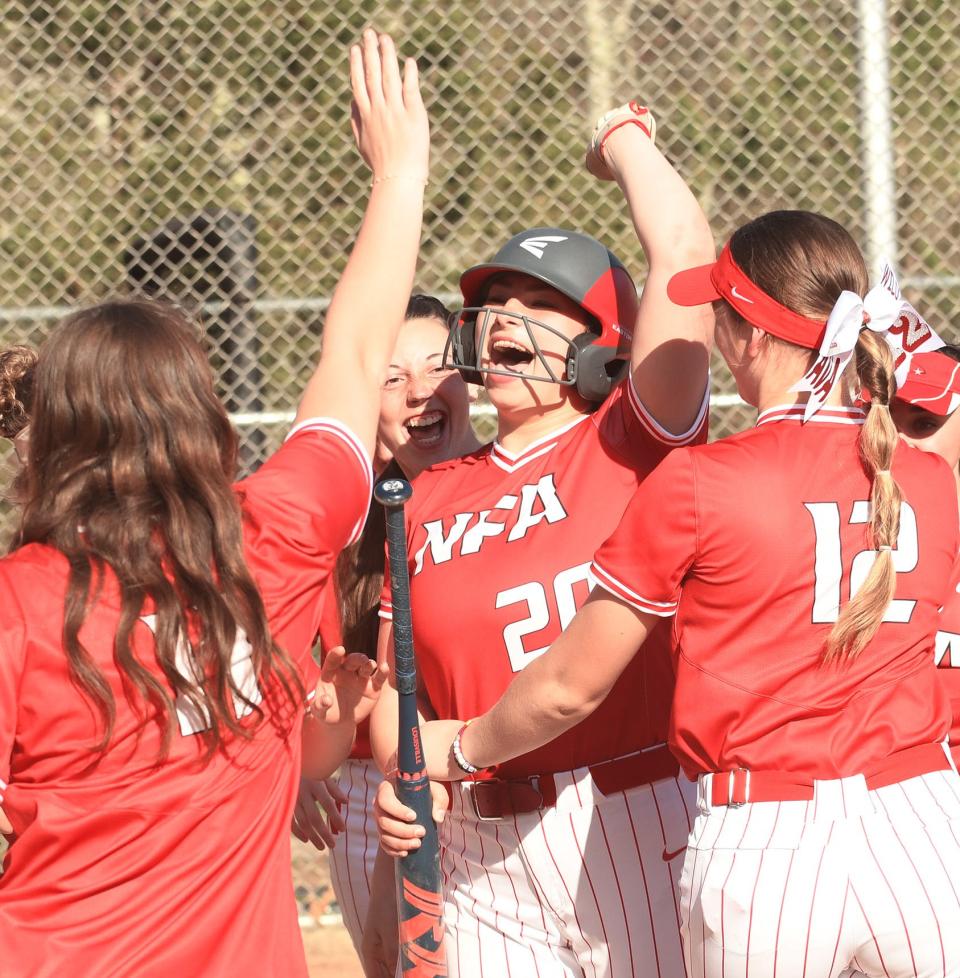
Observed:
{"x":879,"y":175}
{"x":607,"y":26}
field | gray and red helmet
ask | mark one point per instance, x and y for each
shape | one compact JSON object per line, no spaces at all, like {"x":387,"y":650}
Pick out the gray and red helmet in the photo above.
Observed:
{"x":582,"y":269}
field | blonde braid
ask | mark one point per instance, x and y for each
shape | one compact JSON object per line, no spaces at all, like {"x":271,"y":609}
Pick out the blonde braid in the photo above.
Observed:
{"x":860,"y":619}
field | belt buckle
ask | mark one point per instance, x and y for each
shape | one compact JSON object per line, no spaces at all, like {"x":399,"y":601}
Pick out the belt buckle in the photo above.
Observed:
{"x":472,"y":786}
{"x":535,"y":784}
{"x":732,"y":787}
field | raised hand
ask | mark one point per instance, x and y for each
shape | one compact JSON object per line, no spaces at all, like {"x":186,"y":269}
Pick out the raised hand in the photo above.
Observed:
{"x":389,"y":120}
{"x":626,"y":120}
{"x":361,"y":326}
{"x":348,"y":687}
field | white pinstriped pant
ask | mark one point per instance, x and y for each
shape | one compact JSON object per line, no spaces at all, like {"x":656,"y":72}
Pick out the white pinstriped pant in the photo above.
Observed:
{"x":858,"y":879}
{"x":586,"y":889}
{"x":352,"y":858}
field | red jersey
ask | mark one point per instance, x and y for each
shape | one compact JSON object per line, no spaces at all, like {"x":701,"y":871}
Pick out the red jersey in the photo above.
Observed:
{"x":754,"y":542}
{"x":500,"y":547}
{"x":331,"y":636}
{"x":947,"y":657}
{"x":131,"y":869}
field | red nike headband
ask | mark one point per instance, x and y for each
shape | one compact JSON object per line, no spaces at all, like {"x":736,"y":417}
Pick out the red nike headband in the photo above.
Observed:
{"x":725,"y":279}
{"x":933,"y":383}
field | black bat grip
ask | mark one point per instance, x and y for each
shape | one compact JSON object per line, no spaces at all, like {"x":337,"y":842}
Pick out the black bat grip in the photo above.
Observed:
{"x":392,"y":494}
{"x":419,"y":901}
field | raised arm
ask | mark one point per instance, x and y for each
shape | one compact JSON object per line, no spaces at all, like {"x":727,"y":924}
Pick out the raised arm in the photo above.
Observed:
{"x":670,"y":353}
{"x":392,"y":134}
{"x":345,"y":694}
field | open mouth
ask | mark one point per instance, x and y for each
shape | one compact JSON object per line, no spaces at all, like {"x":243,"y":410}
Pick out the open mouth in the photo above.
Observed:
{"x":507,"y":354}
{"x":426,"y":430}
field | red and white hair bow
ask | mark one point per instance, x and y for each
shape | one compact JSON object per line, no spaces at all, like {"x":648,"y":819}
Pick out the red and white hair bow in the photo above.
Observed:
{"x":882,"y":310}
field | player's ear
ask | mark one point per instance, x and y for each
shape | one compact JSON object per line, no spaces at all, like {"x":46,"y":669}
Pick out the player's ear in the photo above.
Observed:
{"x":756,"y":343}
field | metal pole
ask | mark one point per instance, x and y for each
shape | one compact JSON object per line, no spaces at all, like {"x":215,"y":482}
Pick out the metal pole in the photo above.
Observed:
{"x":879,"y":177}
{"x":600,"y":44}
{"x":607,"y":26}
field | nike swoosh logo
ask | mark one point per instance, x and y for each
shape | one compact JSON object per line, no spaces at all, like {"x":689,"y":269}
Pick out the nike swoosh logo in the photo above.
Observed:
{"x":742,"y":298}
{"x":667,"y":855}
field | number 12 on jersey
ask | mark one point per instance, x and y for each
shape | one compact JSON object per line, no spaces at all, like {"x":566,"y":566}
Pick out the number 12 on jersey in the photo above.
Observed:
{"x":828,"y":560}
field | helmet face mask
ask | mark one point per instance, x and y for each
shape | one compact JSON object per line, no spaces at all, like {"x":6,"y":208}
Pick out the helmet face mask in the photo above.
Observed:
{"x":579,"y":268}
{"x":468,"y":340}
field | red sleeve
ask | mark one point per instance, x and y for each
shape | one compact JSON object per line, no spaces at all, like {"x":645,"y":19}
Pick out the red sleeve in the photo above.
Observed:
{"x":12,"y":664}
{"x":629,"y":428}
{"x":315,"y":490}
{"x":301,"y":508}
{"x":646,"y":558}
{"x":331,"y":632}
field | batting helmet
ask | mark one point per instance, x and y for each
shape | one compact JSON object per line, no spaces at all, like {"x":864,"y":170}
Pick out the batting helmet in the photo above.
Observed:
{"x":584,"y":271}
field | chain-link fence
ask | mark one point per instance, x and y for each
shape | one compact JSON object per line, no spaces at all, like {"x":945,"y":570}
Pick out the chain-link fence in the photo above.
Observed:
{"x":200,"y":148}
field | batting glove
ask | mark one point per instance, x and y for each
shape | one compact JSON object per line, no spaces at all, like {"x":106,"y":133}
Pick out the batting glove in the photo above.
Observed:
{"x":631,"y":114}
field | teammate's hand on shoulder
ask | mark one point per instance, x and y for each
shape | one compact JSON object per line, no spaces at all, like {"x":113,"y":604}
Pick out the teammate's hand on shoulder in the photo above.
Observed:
{"x":613,"y":132}
{"x":396,"y":824}
{"x":388,"y":116}
{"x":348,"y":687}
{"x":308,"y":823}
{"x":5,"y":827}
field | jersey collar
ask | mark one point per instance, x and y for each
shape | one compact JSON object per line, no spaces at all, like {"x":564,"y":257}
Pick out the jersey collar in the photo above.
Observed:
{"x":826,"y":415}
{"x":510,"y":462}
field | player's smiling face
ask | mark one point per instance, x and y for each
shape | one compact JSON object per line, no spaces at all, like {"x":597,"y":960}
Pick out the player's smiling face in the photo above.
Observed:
{"x":507,"y":344}
{"x":424,"y":408}
{"x":927,"y":431}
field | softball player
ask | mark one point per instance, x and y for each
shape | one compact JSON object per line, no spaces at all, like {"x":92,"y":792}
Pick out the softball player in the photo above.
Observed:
{"x":804,"y":563}
{"x":565,"y":863}
{"x":156,"y":621}
{"x":925,"y":413}
{"x":424,"y":418}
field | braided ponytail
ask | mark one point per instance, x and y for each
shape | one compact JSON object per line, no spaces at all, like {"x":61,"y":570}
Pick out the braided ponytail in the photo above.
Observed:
{"x":805,"y":261}
{"x":860,"y":619}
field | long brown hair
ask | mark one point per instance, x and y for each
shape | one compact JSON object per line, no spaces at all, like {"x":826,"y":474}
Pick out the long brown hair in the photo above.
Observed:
{"x":130,"y":467}
{"x":805,"y":261}
{"x":17,"y":365}
{"x":358,"y":576}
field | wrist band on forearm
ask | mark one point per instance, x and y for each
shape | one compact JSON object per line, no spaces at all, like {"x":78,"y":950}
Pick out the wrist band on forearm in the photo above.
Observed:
{"x":458,"y":756}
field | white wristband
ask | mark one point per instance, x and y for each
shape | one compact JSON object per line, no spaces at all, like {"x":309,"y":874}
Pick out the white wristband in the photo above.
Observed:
{"x":458,"y":756}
